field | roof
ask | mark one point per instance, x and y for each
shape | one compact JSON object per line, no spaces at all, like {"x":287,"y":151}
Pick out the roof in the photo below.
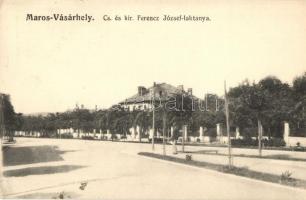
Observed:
{"x":163,"y":91}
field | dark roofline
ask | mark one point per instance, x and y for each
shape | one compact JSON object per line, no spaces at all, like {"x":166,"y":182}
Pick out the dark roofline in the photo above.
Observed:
{"x":172,"y":90}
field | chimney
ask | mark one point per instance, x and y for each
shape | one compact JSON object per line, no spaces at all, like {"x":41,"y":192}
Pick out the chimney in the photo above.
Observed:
{"x":141,"y":90}
{"x":189,"y":91}
{"x":180,"y":87}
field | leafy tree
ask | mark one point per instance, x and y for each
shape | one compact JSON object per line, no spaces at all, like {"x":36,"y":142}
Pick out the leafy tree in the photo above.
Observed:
{"x":278,"y":105}
{"x":143,"y":119}
{"x":299,"y":109}
{"x":269,"y":101}
{"x":179,"y":112}
{"x":9,"y":120}
{"x":299,"y":86}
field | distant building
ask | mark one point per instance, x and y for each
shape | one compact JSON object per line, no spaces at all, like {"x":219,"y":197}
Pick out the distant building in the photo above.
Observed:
{"x":161,"y":92}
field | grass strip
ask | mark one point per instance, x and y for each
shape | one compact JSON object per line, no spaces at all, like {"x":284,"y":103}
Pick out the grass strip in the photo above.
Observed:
{"x":274,"y":157}
{"x":283,"y":179}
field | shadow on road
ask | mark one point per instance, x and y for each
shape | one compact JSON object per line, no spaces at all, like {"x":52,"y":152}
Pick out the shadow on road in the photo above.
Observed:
{"x":41,"y":170}
{"x":31,"y":154}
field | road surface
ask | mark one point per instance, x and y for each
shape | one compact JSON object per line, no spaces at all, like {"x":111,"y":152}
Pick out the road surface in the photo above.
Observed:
{"x":44,"y":168}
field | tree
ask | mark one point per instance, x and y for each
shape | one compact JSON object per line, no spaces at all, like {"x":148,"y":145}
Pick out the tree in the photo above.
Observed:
{"x":299,"y":86}
{"x":179,"y":110}
{"x":8,"y":117}
{"x":299,"y":109}
{"x":143,"y":120}
{"x":278,"y":105}
{"x":268,"y":102}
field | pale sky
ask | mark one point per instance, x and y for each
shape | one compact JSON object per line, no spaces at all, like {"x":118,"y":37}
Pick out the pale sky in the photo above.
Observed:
{"x":51,"y":66}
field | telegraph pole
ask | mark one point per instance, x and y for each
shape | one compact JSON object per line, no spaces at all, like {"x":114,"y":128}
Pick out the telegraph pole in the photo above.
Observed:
{"x":217,"y":107}
{"x":153,"y":111}
{"x":183,"y":137}
{"x":1,"y":125}
{"x":206,"y":102}
{"x":230,"y":161}
{"x":259,"y":137}
{"x":164,"y":131}
{"x":2,"y":128}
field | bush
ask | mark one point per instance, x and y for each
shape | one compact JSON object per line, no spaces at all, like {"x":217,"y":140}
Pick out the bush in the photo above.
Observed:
{"x":273,"y":142}
{"x":188,"y":157}
{"x":287,"y":179}
{"x":123,"y":137}
{"x":156,"y":140}
{"x":244,"y":142}
{"x":87,"y":137}
{"x":114,"y":137}
{"x":299,"y":148}
{"x":66,"y":135}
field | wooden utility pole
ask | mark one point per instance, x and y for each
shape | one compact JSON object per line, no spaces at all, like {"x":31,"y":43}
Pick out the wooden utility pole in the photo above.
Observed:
{"x":217,"y":107}
{"x":230,"y":161}
{"x":2,"y":127}
{"x":183,"y":138}
{"x":164,"y":131}
{"x":206,"y":102}
{"x":259,"y":137}
{"x":153,"y":113}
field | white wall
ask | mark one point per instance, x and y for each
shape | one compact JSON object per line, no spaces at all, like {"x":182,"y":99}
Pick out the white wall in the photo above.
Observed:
{"x":291,"y":141}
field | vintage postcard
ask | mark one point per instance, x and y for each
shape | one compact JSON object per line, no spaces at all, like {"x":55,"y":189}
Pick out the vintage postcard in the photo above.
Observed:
{"x":153,"y":99}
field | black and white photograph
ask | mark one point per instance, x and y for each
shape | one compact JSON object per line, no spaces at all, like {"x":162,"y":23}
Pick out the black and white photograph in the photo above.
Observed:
{"x":103,"y":99}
